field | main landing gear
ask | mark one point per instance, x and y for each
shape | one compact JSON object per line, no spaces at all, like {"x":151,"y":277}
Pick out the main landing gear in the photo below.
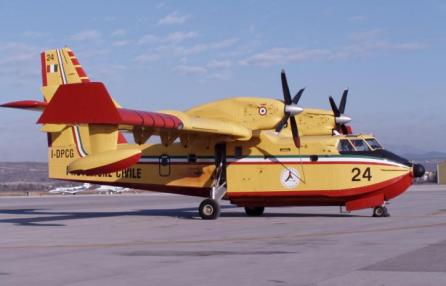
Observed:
{"x":210,"y":208}
{"x":380,"y":211}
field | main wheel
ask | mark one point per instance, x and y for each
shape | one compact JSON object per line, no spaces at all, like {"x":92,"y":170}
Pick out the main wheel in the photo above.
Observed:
{"x":209,"y":209}
{"x":254,"y":211}
{"x":380,"y":211}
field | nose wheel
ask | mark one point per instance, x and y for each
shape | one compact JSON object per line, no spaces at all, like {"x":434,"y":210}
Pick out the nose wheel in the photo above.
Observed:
{"x":380,"y":211}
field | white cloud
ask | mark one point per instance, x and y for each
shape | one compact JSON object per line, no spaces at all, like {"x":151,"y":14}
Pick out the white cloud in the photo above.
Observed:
{"x":121,"y":43}
{"x":282,"y":56}
{"x":19,"y":63}
{"x":119,"y":33}
{"x":371,"y":42}
{"x":172,"y":38}
{"x":226,"y":43}
{"x":35,"y":34}
{"x":146,"y":58}
{"x":358,"y":18}
{"x":110,"y":19}
{"x":87,"y":35}
{"x":360,"y":45}
{"x":219,"y":64}
{"x":220,"y":76}
{"x":199,"y":48}
{"x":189,"y":70}
{"x":148,"y":39}
{"x":178,"y":37}
{"x":173,"y":19}
{"x":203,"y":47}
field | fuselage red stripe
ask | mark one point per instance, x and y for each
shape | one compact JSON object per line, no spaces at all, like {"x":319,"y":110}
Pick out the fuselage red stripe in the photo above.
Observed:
{"x":310,"y":163}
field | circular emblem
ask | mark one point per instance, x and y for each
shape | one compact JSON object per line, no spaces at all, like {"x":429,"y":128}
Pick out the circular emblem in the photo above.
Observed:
{"x":290,"y":178}
{"x":262,"y":110}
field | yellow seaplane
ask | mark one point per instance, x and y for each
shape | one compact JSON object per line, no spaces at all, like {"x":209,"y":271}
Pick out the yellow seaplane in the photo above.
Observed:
{"x":254,"y":152}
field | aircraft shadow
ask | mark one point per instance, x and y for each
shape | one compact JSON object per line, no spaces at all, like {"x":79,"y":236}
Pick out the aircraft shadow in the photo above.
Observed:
{"x":41,"y":217}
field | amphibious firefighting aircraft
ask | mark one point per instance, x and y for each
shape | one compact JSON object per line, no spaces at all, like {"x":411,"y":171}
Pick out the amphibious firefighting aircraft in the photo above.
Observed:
{"x":254,"y":152}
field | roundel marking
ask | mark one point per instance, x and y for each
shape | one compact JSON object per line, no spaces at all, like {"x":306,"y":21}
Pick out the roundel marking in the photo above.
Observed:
{"x":289,"y":178}
{"x":263,"y":110}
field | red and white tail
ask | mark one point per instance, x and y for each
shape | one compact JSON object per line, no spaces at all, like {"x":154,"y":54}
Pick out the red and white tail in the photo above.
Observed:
{"x":59,"y":67}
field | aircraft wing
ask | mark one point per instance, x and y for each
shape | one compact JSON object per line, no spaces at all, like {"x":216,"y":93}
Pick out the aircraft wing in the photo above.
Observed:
{"x":90,"y":103}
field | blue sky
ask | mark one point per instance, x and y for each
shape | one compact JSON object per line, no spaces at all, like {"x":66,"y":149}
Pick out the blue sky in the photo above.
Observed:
{"x":175,"y":54}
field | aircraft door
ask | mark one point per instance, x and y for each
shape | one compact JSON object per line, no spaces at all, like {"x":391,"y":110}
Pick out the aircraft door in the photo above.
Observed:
{"x":220,"y":160}
{"x":164,"y":165}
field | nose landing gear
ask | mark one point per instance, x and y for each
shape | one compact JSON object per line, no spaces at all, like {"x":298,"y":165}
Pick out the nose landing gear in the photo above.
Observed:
{"x":380,"y":211}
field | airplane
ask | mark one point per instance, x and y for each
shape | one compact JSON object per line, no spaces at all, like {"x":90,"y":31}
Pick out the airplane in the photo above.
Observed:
{"x":70,"y":190}
{"x":254,"y":152}
{"x":111,"y":190}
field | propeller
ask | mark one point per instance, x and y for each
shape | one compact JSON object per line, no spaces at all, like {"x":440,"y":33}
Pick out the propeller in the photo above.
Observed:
{"x":340,"y":118}
{"x":291,"y":109}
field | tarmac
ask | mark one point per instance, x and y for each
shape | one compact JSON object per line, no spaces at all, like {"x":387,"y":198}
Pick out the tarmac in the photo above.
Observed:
{"x":156,"y":239}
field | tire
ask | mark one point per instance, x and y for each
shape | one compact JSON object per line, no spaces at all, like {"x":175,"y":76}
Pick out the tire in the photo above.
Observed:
{"x":254,"y":211}
{"x":209,"y":209}
{"x":380,"y":212}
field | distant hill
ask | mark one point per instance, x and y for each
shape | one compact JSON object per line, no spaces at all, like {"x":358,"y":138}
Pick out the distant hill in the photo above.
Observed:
{"x":429,"y":159}
{"x":27,"y":176}
{"x":434,"y":155}
{"x":404,"y":149}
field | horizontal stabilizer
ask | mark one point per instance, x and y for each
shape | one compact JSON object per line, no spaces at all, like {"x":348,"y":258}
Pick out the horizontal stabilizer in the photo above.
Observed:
{"x":90,"y":103}
{"x":105,"y":162}
{"x":26,"y":104}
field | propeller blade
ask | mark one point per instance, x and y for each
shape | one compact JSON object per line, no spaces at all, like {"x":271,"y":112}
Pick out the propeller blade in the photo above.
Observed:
{"x":335,"y":109}
{"x":295,"y":132}
{"x":282,"y":123}
{"x":298,"y":95}
{"x":285,"y":88}
{"x":343,"y":101}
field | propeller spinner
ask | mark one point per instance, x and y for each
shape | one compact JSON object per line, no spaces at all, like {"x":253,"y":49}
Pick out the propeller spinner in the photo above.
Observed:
{"x":340,"y":119}
{"x":291,"y":109}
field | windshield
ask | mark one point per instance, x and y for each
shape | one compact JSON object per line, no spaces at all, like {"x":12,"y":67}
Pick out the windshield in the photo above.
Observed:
{"x":373,"y":143}
{"x":345,"y":146}
{"x":360,"y":145}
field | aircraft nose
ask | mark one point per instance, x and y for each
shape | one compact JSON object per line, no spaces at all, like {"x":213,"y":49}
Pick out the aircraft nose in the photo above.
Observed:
{"x":418,"y":170}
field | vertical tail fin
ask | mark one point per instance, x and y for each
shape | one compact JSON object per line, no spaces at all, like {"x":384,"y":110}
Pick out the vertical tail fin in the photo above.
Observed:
{"x":59,"y":67}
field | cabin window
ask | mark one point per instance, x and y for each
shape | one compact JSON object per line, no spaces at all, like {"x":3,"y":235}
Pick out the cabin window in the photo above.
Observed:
{"x":192,"y":158}
{"x":345,"y":146}
{"x":360,"y":145}
{"x":238,"y":151}
{"x":373,"y":143}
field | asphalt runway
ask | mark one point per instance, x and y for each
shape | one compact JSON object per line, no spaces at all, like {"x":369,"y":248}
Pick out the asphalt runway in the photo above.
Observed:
{"x":153,"y":239}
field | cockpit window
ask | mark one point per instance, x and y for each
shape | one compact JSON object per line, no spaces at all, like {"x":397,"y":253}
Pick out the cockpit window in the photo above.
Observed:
{"x":345,"y":146}
{"x":360,"y":145}
{"x":373,"y":143}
